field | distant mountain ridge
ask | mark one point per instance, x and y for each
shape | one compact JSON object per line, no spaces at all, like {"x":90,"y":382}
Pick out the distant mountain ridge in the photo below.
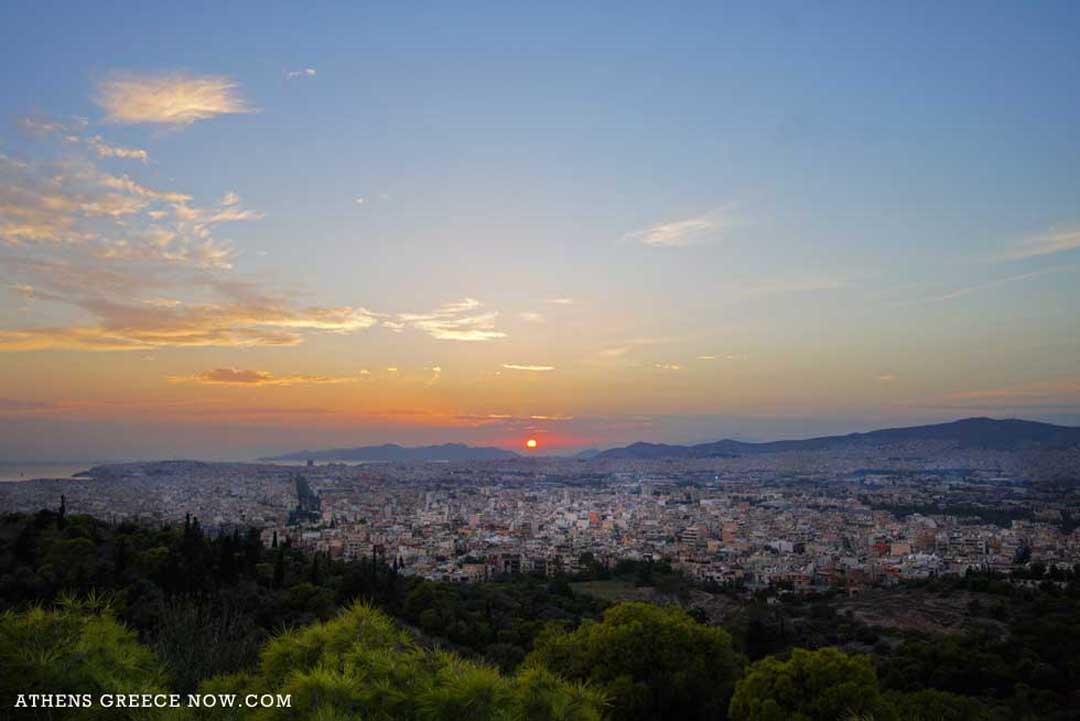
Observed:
{"x":988,"y":433}
{"x":392,"y":452}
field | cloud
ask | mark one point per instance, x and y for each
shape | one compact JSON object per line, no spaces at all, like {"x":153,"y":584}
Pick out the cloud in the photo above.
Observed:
{"x":359,"y":200}
{"x":73,"y":134}
{"x":461,"y":320}
{"x":887,"y":377}
{"x":106,"y":150}
{"x":961,"y":291}
{"x":75,"y":203}
{"x":1038,"y":391}
{"x":140,"y":267}
{"x":41,"y":125}
{"x":238,"y":377}
{"x":527,"y":367}
{"x":1050,"y":394}
{"x":560,"y":301}
{"x":155,"y":410}
{"x":681,"y":233}
{"x":176,"y":99}
{"x":1059,"y":241}
{"x":509,"y":420}
{"x":668,"y":366}
{"x":14,"y":405}
{"x":304,"y":73}
{"x":128,"y":308}
{"x":531,"y":317}
{"x":138,"y":326}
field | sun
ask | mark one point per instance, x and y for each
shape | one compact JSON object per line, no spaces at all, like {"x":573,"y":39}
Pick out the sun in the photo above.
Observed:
{"x":531,"y":443}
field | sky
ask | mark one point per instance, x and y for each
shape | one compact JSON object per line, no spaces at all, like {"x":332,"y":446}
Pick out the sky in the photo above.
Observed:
{"x":233,"y":229}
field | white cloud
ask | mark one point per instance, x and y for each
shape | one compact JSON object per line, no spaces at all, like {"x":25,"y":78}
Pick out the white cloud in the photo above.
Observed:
{"x":680,"y":233}
{"x":560,"y":301}
{"x":304,"y":73}
{"x":106,"y":150}
{"x":527,"y":367}
{"x":460,"y":320}
{"x":531,"y":317}
{"x":169,"y":99}
{"x":1059,"y":241}
{"x":962,"y":291}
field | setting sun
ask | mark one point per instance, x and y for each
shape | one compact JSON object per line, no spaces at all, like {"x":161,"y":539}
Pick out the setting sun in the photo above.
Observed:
{"x":531,"y":443}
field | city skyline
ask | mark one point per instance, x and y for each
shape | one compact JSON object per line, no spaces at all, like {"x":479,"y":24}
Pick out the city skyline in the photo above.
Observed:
{"x":493,"y":225}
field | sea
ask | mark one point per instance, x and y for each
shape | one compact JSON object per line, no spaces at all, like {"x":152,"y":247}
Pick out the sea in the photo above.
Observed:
{"x":14,"y":472}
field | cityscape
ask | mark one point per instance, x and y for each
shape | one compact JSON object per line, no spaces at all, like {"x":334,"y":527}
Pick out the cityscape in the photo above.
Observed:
{"x":783,"y":521}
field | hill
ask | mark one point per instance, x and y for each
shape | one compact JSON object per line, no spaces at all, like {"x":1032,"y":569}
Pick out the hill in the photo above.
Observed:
{"x":984,"y":433}
{"x":391,"y":452}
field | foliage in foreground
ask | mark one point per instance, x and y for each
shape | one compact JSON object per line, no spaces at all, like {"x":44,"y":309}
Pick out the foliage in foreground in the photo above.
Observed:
{"x":74,"y":648}
{"x":653,"y":662}
{"x":362,"y":665}
{"x":358,"y":665}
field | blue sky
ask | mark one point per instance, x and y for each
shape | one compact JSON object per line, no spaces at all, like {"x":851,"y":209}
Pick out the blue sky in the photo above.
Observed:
{"x":767,"y":222}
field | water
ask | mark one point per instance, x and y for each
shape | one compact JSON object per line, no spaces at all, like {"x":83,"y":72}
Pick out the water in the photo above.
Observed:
{"x":10,"y":472}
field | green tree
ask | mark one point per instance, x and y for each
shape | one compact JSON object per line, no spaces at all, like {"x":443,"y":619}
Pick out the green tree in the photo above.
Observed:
{"x":822,"y":685}
{"x":652,"y":662}
{"x":362,"y":665}
{"x":76,"y":648}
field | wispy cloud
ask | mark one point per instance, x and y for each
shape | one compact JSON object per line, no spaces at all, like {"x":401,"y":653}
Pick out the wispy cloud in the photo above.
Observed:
{"x":1058,"y":241}
{"x":532,"y":317}
{"x":887,"y":377}
{"x":1056,"y":393}
{"x":140,"y":326}
{"x":238,"y":377}
{"x":462,"y":320}
{"x":781,"y":285}
{"x":76,"y":203}
{"x":961,"y":291}
{"x":679,"y":233}
{"x":303,"y":73}
{"x":139,"y":266}
{"x":559,"y":301}
{"x":107,"y":150}
{"x":73,"y":133}
{"x":528,"y":367}
{"x":43,"y":125}
{"x":176,"y":99}
{"x":668,"y":366}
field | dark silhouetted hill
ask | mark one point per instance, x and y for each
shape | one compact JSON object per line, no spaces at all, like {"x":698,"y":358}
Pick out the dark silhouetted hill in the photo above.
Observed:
{"x":984,"y":433}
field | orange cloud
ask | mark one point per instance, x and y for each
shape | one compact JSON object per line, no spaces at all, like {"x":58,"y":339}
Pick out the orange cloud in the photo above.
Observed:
{"x":142,"y":326}
{"x":236,"y":376}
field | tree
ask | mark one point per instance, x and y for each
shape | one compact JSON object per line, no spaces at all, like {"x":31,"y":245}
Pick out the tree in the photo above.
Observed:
{"x":362,"y":665}
{"x":75,"y":648}
{"x":652,"y":662}
{"x":822,"y":685}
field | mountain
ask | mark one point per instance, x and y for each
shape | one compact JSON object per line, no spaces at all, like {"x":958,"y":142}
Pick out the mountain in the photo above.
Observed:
{"x":987,"y":433}
{"x":395,"y":453}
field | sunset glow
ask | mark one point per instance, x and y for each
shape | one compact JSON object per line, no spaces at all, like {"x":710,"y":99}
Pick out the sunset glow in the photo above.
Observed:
{"x":209,"y":251}
{"x":531,"y":443}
